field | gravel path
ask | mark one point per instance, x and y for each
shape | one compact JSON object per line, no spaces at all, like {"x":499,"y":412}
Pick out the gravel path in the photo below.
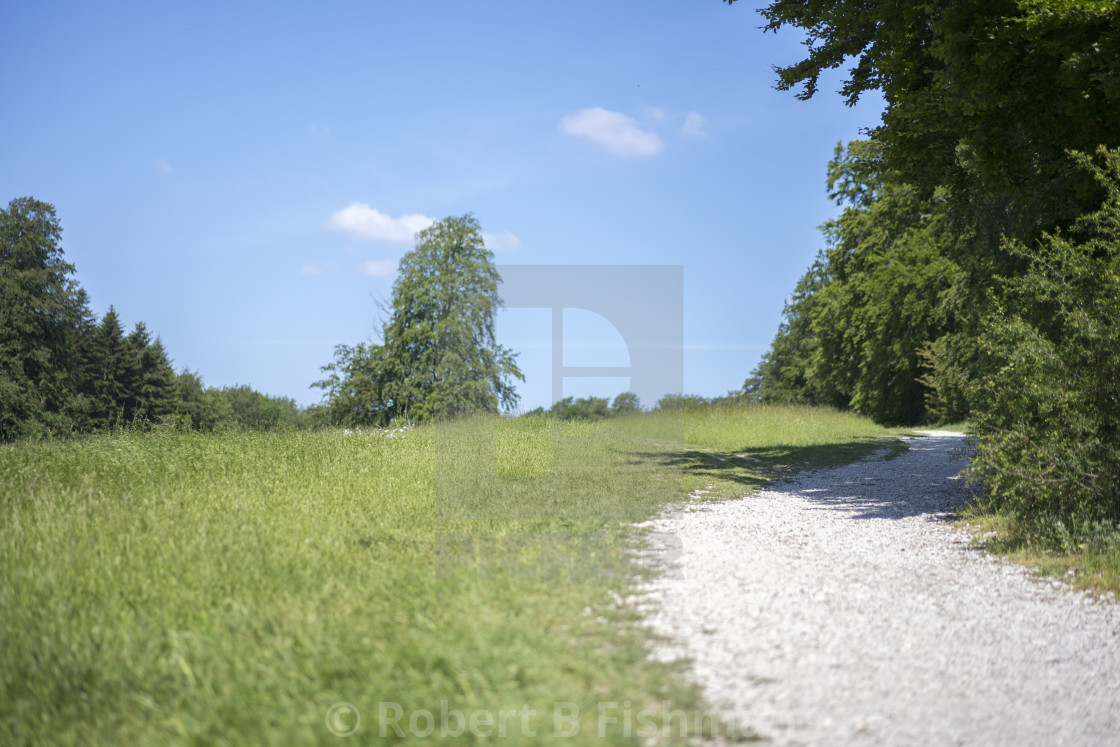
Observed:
{"x":840,"y":608}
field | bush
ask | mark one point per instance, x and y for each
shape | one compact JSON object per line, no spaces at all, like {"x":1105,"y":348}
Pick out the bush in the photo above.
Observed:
{"x":584,"y":408}
{"x":1048,"y":419}
{"x":681,"y":402}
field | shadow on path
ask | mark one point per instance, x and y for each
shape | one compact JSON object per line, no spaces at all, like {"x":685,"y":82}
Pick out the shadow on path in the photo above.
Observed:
{"x":926,"y":480}
{"x":756,"y":468}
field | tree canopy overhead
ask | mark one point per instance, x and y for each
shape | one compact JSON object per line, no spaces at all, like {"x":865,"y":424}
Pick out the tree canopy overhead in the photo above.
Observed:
{"x":439,"y":357}
{"x":977,"y":91}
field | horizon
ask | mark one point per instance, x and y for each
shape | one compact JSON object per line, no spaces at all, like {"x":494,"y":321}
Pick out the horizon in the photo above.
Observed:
{"x":245,"y":182}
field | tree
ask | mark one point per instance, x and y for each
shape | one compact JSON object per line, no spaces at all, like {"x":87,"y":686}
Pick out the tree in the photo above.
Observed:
{"x":207,"y":408}
{"x":859,"y":320}
{"x":111,"y":374}
{"x":41,"y":309}
{"x":61,"y":369}
{"x":979,"y":93}
{"x":204,"y":407}
{"x":988,"y":103}
{"x":626,"y":403}
{"x":888,"y":268}
{"x":1049,"y":441}
{"x":682,"y":402}
{"x":584,"y":408}
{"x":357,"y":387}
{"x":254,"y":410}
{"x":153,"y":390}
{"x":782,"y":376}
{"x":439,"y":357}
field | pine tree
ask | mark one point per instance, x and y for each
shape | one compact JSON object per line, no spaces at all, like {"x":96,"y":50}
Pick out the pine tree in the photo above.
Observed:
{"x":41,"y":308}
{"x":108,"y":373}
{"x":150,"y":384}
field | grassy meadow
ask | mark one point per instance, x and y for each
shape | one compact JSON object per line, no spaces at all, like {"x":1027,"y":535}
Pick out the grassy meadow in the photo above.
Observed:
{"x":456,"y":583}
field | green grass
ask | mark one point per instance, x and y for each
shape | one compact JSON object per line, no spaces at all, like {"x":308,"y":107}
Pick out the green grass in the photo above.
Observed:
{"x":732,"y":450}
{"x":231,"y":588}
{"x":1094,"y":567}
{"x":959,"y":427}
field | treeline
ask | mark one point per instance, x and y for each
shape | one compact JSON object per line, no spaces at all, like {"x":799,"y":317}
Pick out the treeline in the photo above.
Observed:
{"x":860,"y":329}
{"x":627,"y":403}
{"x":974,"y":272}
{"x":591,"y":408}
{"x":62,"y":370}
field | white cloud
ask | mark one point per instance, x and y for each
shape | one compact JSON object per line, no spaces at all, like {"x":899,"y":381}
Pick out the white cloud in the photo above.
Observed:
{"x":378,"y":268}
{"x":318,"y":269}
{"x":161,"y":164}
{"x":501,"y":242}
{"x":694,"y":125}
{"x":655,"y":114}
{"x":617,"y":133}
{"x":363,"y":222}
{"x":320,"y":130}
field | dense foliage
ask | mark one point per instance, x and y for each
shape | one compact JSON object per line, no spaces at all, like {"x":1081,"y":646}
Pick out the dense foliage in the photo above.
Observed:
{"x":860,"y":318}
{"x":212,"y":408}
{"x":1049,"y":412}
{"x":977,"y":91}
{"x":438,"y":357}
{"x":42,"y":311}
{"x":63,"y":371}
{"x":973,"y":271}
{"x":591,"y":408}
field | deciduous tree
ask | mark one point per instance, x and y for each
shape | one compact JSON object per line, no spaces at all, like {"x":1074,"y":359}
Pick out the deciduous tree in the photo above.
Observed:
{"x":978,"y":92}
{"x":859,"y":320}
{"x":439,"y":357}
{"x":1049,"y":408}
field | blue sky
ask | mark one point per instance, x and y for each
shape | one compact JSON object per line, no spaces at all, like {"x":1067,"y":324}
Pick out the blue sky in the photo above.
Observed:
{"x":244,"y":177}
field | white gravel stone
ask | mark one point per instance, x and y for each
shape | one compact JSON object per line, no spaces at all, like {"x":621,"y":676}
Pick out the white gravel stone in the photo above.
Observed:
{"x":841,"y":608}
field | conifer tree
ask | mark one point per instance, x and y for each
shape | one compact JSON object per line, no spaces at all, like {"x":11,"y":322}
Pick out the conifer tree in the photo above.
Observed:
{"x":108,"y":374}
{"x":41,"y":308}
{"x":153,"y":391}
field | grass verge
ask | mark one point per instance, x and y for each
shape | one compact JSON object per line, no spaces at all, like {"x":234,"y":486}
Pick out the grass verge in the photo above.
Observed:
{"x":450,"y":583}
{"x":1093,"y":567}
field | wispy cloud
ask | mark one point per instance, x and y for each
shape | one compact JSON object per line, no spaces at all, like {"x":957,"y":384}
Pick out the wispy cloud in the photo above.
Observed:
{"x":694,"y":125}
{"x":615,"y":132}
{"x":317,"y":269}
{"x":161,"y":164}
{"x":363,"y":222}
{"x":378,"y":268}
{"x":655,"y":114}
{"x":320,"y":130}
{"x":501,"y":242}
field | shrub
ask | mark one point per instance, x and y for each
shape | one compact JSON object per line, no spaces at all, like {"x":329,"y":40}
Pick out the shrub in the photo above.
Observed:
{"x":1048,"y":420}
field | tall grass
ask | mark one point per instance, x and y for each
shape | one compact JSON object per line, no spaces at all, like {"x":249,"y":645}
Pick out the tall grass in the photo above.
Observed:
{"x":231,"y":588}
